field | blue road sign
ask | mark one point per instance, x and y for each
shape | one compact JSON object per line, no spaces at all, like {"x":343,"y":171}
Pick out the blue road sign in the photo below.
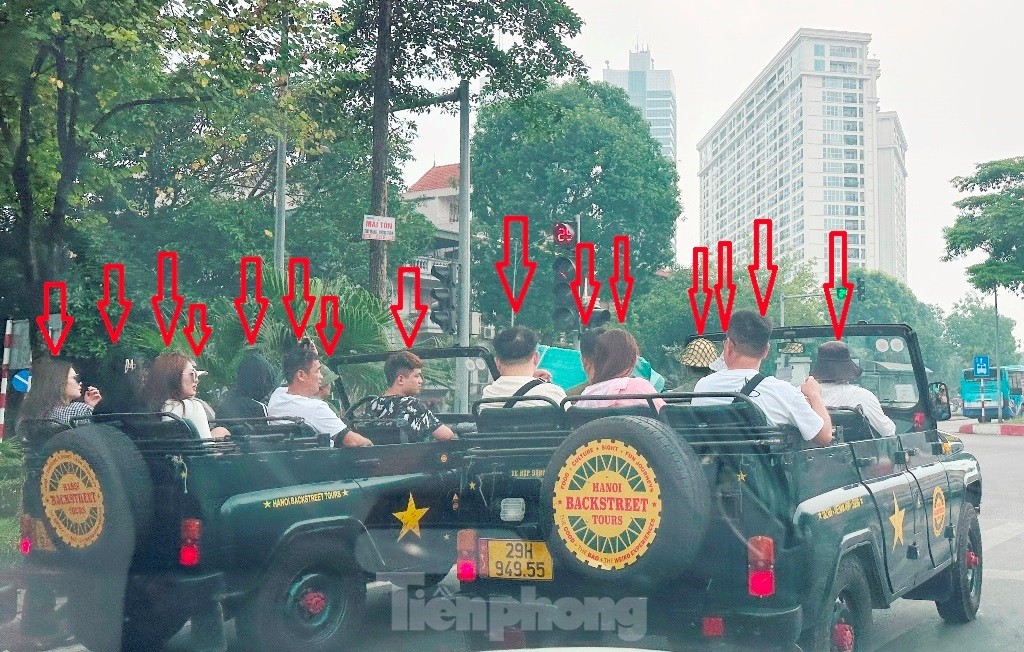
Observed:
{"x":21,"y":381}
{"x":981,"y":365}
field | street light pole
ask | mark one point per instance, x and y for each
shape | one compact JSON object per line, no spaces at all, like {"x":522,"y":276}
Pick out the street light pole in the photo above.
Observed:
{"x":999,"y":371}
{"x":280,"y":192}
{"x":461,"y":373}
{"x":782,"y":312}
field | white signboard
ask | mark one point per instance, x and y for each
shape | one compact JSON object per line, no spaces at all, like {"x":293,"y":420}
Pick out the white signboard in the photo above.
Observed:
{"x":376,"y":227}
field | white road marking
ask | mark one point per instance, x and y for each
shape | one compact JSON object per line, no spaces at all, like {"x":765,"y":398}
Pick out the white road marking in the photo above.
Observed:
{"x":994,"y":536}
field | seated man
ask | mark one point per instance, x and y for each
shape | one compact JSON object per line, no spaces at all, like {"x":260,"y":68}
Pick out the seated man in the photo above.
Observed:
{"x":834,"y":368}
{"x":302,"y":368}
{"x":515,"y":353}
{"x":746,"y":346}
{"x":404,"y":374}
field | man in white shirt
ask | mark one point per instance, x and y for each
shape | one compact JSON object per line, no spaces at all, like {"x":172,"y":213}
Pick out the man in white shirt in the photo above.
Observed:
{"x":515,"y":353}
{"x":834,"y":368}
{"x":746,"y":347}
{"x":302,"y":368}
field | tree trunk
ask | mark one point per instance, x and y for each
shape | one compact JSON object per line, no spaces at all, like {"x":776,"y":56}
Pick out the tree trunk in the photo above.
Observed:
{"x":379,"y":161}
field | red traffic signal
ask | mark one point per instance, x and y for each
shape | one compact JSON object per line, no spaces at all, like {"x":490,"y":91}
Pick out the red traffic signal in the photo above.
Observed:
{"x":564,"y":234}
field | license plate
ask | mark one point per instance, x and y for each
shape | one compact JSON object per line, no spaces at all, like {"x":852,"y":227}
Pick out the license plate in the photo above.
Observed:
{"x":510,"y":559}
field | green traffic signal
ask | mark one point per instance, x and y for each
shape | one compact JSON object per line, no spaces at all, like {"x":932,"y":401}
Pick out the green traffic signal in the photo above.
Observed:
{"x":841,"y":293}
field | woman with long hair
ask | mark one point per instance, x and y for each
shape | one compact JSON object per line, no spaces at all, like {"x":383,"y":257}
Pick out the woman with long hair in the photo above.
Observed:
{"x":56,"y":393}
{"x":615,"y":357}
{"x":171,"y":386}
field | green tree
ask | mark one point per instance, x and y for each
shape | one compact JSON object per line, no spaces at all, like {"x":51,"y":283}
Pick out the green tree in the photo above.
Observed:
{"x":971,"y":330}
{"x":578,"y":150}
{"x":991,"y":221}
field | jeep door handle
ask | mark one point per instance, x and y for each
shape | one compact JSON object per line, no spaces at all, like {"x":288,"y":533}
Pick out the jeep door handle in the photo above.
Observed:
{"x":373,"y":461}
{"x":865,"y":461}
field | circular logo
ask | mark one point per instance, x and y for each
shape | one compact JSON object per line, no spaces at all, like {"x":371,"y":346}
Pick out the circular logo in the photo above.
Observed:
{"x":938,"y":511}
{"x":607,"y":504}
{"x":72,"y":499}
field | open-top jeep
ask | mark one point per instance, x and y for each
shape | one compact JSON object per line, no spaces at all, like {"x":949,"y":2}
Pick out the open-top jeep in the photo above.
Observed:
{"x":141,"y":526}
{"x":732,"y":528}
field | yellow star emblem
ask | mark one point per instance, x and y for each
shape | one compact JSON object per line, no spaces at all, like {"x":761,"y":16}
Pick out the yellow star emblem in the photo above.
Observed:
{"x":447,"y":537}
{"x":410,"y":518}
{"x":741,"y":476}
{"x":472,"y":485}
{"x":344,"y":492}
{"x":266,"y":504}
{"x":897,"y":521}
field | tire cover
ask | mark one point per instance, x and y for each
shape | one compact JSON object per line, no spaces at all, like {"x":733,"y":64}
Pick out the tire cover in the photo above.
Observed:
{"x":86,"y":510}
{"x":629,"y":504}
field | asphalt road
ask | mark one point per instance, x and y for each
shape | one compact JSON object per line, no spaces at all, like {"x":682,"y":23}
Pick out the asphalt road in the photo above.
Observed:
{"x":908,"y":626}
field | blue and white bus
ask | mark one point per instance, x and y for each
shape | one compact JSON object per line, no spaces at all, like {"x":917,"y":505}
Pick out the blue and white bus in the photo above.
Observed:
{"x":1010,"y":382}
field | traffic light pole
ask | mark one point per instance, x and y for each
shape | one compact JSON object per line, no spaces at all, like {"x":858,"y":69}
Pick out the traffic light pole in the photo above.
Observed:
{"x":461,"y":373}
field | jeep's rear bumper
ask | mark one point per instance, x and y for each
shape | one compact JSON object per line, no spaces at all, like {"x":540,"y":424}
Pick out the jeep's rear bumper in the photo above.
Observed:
{"x":755,"y":627}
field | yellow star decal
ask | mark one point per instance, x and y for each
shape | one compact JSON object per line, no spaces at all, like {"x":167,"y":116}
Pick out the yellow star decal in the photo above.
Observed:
{"x":344,"y":492}
{"x":897,"y":521}
{"x":266,"y":504}
{"x":741,"y":476}
{"x":410,"y":518}
{"x":447,"y":537}
{"x":472,"y":485}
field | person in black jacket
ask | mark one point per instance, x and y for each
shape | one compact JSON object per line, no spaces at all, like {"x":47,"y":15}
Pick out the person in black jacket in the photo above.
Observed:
{"x":255,"y":380}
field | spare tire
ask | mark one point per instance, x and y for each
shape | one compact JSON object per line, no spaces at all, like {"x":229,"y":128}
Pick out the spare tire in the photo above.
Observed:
{"x":89,"y":513}
{"x":629,"y":504}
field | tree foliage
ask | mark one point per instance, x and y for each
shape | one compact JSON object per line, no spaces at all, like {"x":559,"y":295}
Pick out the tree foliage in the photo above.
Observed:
{"x":992,"y":221}
{"x":576,"y":151}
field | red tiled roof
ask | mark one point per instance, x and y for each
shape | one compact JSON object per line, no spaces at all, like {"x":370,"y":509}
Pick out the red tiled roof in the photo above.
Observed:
{"x":438,"y":177}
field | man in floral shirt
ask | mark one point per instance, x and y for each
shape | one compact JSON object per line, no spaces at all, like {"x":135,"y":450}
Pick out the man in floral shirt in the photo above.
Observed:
{"x":403,"y":371}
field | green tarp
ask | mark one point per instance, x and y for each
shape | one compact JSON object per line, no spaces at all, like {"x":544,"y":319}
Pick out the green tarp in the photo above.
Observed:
{"x":566,"y":367}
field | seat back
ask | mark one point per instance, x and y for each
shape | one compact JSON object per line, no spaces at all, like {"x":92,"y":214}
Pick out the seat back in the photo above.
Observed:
{"x":741,"y":415}
{"x":241,"y":407}
{"x":519,"y":420}
{"x":577,"y":416}
{"x":851,"y":423}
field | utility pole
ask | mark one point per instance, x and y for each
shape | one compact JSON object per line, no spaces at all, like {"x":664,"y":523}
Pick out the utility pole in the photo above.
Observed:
{"x":461,"y":372}
{"x":782,"y":312}
{"x":280,"y":193}
{"x":999,"y":370}
{"x":379,"y":156}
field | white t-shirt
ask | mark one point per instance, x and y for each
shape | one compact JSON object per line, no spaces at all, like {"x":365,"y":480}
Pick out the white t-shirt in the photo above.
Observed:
{"x":781,"y":402}
{"x":506,"y":386}
{"x":191,"y":410}
{"x":847,"y":395}
{"x":313,"y":411}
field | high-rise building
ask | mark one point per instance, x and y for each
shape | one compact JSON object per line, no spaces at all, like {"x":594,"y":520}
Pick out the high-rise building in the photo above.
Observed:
{"x":806,"y":145}
{"x":653,"y":92}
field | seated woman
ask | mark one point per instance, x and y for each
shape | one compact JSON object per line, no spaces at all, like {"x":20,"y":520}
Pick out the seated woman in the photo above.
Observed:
{"x":615,"y":356}
{"x":171,"y":386}
{"x":56,"y":393}
{"x":834,"y":368}
{"x":248,"y":399}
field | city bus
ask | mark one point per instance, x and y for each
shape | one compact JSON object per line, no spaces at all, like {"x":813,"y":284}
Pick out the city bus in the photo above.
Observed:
{"x":1011,"y":380}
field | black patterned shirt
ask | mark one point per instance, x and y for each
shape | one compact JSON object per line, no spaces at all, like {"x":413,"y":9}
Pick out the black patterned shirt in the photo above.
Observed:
{"x":421,"y":420}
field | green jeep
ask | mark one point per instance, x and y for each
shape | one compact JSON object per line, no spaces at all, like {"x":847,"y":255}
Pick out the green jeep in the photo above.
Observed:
{"x":730,"y":528}
{"x":142,"y":526}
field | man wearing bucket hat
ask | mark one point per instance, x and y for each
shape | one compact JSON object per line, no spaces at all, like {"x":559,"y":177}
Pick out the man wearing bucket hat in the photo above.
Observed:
{"x":834,"y":368}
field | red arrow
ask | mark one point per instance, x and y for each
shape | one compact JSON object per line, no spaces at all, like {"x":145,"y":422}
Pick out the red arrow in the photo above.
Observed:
{"x":329,"y":304}
{"x":773,"y":270}
{"x":421,"y":310}
{"x":621,"y":242}
{"x":298,"y":325}
{"x":514,"y":300}
{"x":700,"y":284}
{"x":66,"y":320}
{"x":725,"y":272}
{"x":838,"y":323}
{"x":204,"y":329}
{"x":251,"y":332}
{"x":167,"y":329}
{"x":577,"y":284}
{"x":103,"y":304}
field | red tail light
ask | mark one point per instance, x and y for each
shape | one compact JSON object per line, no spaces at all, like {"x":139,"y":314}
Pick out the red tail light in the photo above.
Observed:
{"x":761,"y":566}
{"x":465,"y":565}
{"x":26,"y":534}
{"x":188,"y":553}
{"x":919,"y":421}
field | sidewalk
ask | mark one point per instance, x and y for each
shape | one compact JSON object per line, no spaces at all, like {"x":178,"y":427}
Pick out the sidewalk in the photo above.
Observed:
{"x":1011,"y":429}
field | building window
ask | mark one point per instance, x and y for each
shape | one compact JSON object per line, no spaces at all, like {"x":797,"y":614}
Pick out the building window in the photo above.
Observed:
{"x":851,"y":210}
{"x":819,"y":50}
{"x":831,"y":96}
{"x":853,"y":225}
{"x":843,"y":66}
{"x":853,"y":125}
{"x":849,"y":154}
{"x":832,"y":166}
{"x":851,"y":182}
{"x":830,"y":111}
{"x":819,"y":65}
{"x":832,"y":139}
{"x":833,"y":209}
{"x":852,"y":111}
{"x":849,"y":195}
{"x":831,"y":182}
{"x":852,"y":140}
{"x":829,"y":124}
{"x":844,"y":51}
{"x":832,"y":152}
{"x":832,"y":195}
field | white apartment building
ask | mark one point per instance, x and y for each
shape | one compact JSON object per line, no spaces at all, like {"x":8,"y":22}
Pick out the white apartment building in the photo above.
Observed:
{"x":653,"y":92}
{"x":806,"y":145}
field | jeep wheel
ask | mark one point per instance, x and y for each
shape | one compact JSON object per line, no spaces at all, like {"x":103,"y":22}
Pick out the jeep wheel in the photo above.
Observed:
{"x":312,"y":599}
{"x":845,"y":623}
{"x":965,"y":573}
{"x":629,"y":507}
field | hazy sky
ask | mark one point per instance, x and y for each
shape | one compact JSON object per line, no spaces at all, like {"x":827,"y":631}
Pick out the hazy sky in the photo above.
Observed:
{"x":950,"y":69}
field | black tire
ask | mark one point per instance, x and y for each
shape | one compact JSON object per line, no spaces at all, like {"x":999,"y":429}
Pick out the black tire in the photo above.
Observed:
{"x":848,"y":609}
{"x":147,"y":628}
{"x":86,"y":509}
{"x":965,"y":573}
{"x":313,"y":598}
{"x":651,"y":548}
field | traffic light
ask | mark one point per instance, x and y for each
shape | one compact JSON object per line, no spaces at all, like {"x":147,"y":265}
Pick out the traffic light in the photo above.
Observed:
{"x":599,"y":318}
{"x":565,"y":316}
{"x":860,"y":289}
{"x":841,"y":293}
{"x":443,"y":312}
{"x":564,"y":235}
